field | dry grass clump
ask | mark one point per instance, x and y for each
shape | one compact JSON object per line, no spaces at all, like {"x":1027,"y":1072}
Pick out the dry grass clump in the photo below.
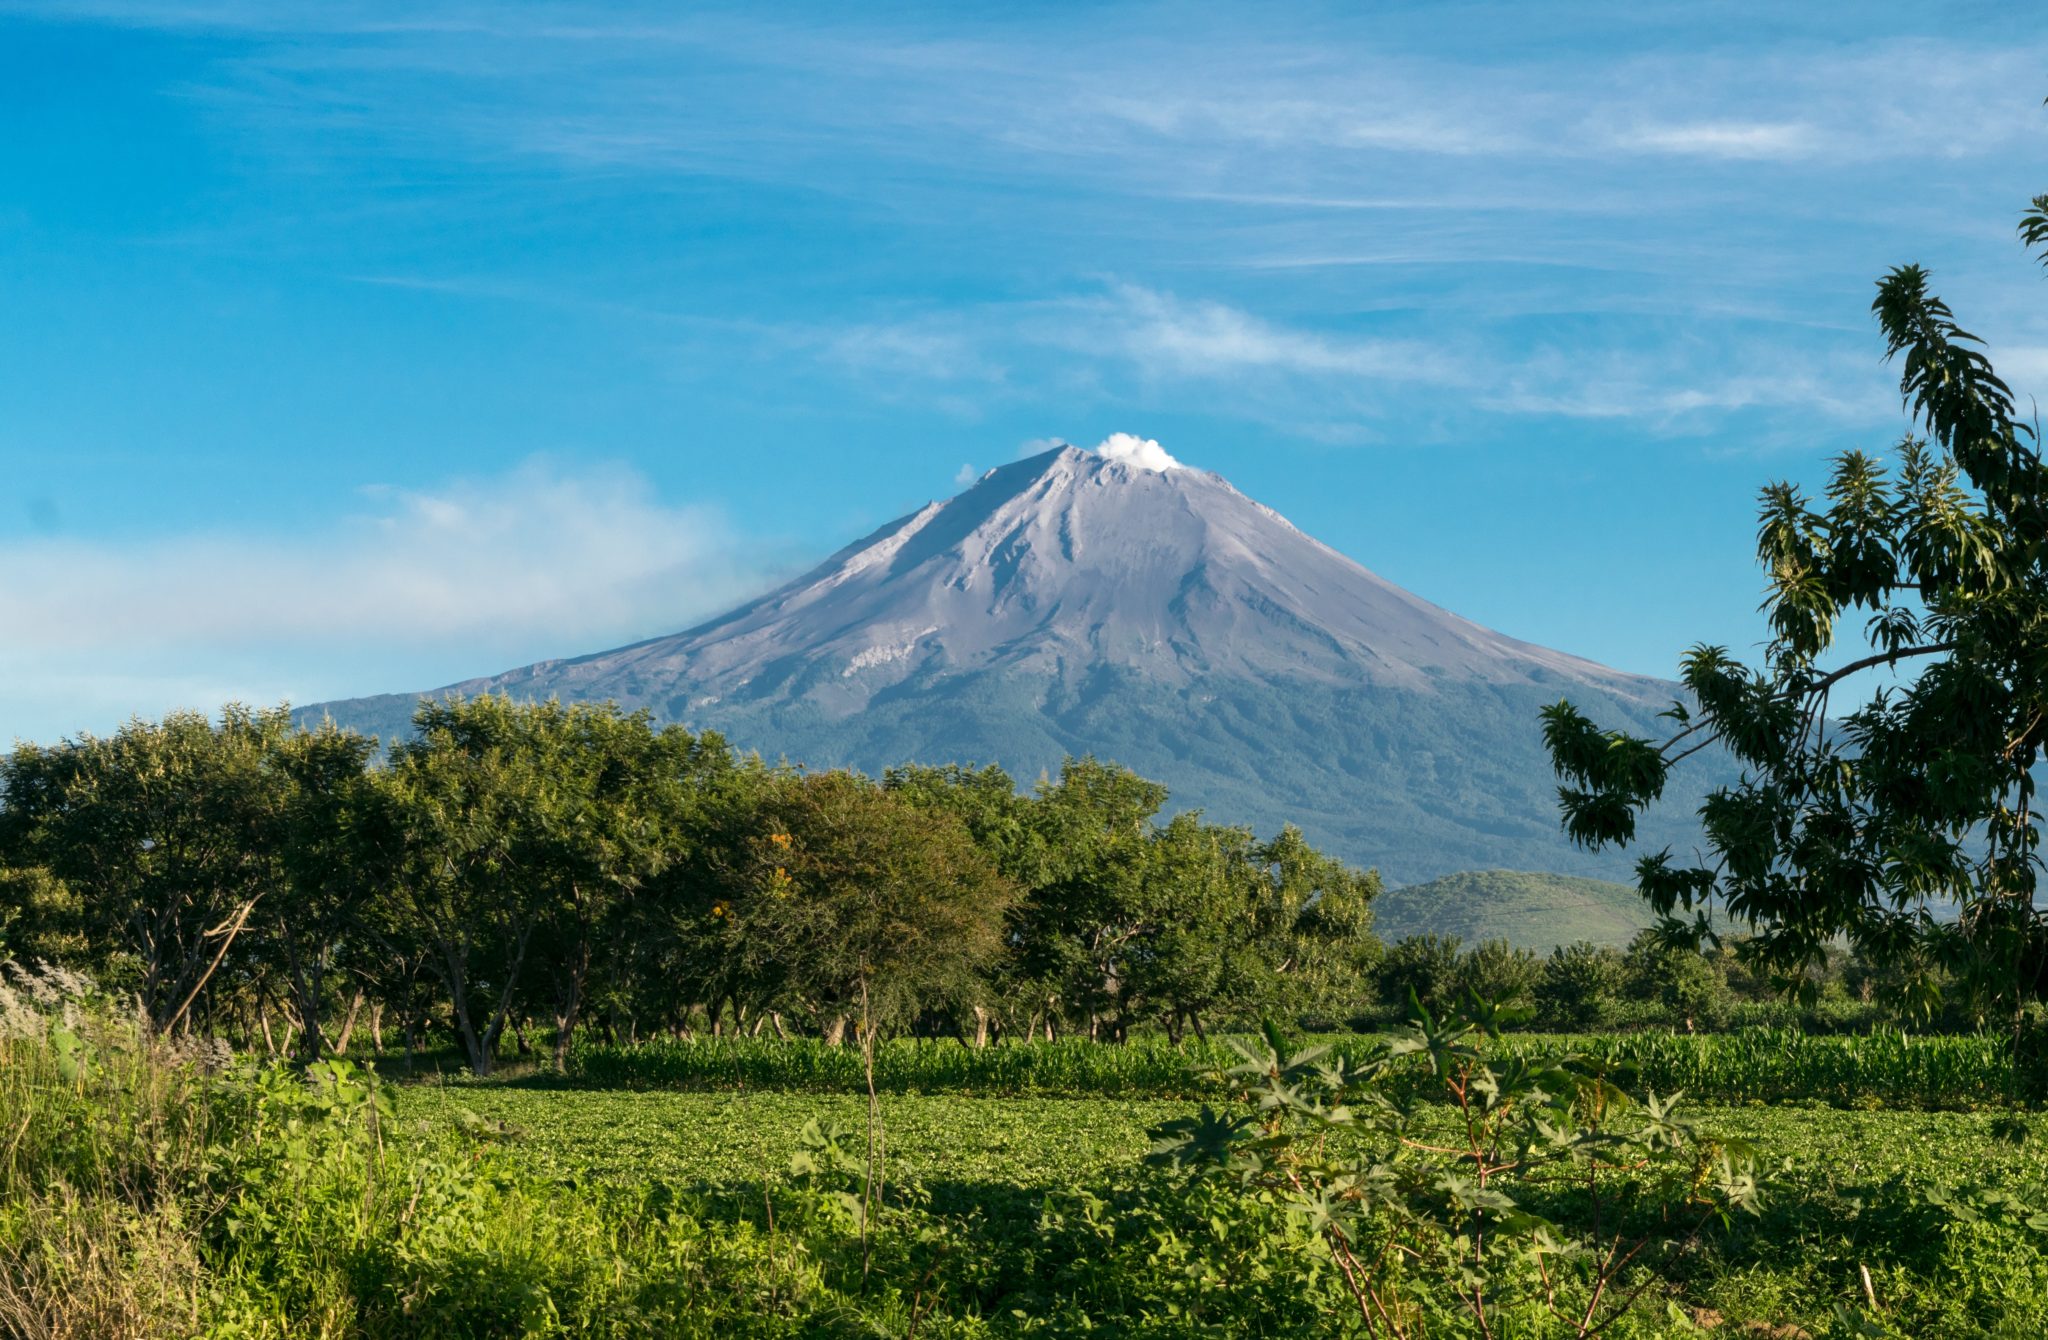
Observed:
{"x":75,"y":1268}
{"x":101,"y":1123}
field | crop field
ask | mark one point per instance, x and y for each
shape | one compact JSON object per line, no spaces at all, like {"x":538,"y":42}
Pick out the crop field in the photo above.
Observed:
{"x":1879,"y":1069}
{"x":144,"y":1194}
{"x":1936,"y":1205}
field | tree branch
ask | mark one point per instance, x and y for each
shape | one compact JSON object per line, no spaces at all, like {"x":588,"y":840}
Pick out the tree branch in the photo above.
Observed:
{"x":1834,"y":677}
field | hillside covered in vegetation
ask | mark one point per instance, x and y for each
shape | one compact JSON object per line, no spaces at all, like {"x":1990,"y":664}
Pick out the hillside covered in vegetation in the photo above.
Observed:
{"x":1529,"y":909}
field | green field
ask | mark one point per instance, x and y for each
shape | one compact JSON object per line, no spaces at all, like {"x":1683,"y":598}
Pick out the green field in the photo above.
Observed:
{"x":1763,"y":1064}
{"x":144,"y":1193}
{"x":1849,"y":1189}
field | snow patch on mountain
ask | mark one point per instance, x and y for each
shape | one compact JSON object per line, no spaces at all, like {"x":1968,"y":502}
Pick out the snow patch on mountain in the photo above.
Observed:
{"x":882,"y":655}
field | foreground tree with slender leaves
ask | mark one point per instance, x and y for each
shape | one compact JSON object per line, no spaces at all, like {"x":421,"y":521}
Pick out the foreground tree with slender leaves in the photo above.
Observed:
{"x":1901,"y":816}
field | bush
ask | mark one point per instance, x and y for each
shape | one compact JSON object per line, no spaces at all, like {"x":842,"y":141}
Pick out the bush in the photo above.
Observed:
{"x":1432,"y":1228}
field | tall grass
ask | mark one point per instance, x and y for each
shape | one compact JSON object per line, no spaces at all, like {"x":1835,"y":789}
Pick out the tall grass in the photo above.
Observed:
{"x":106,"y":1132}
{"x":1769,"y":1065}
{"x":151,"y":1191}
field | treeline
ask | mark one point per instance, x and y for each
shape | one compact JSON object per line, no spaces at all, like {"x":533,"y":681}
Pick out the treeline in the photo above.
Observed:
{"x":1653,"y":982}
{"x":550,"y":867}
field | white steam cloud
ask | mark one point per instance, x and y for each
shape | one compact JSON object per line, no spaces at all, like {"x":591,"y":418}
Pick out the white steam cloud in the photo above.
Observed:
{"x":1131,"y":449}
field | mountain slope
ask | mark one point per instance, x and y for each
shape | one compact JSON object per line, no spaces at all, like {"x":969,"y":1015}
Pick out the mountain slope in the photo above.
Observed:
{"x":1076,"y":603}
{"x":1530,"y":909}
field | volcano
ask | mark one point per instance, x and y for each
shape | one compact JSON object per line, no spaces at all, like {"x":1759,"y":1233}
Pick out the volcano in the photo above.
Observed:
{"x":1120,"y":604}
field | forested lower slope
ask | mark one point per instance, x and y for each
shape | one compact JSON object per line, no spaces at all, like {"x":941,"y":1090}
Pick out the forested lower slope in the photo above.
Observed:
{"x":1530,"y":909}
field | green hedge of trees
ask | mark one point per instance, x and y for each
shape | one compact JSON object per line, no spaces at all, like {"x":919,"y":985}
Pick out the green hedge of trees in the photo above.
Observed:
{"x":514,"y":865}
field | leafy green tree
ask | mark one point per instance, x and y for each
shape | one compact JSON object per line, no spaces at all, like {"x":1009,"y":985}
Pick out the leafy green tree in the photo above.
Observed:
{"x":860,"y":905}
{"x":619,"y":801}
{"x":316,"y":927}
{"x":1424,"y":967}
{"x":1004,"y":825}
{"x":41,"y":920}
{"x":1201,"y":906}
{"x":1581,"y":985}
{"x":1861,"y":810}
{"x":169,"y":833}
{"x":466,"y":804}
{"x":1079,"y":927}
{"x":1315,"y":935}
{"x":678,"y":953}
{"x":1499,"y":973}
{"x":1677,"y":977}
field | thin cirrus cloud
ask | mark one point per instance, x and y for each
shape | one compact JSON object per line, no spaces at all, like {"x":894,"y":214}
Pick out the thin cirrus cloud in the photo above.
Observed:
{"x":1717,"y":139}
{"x":1131,"y":344}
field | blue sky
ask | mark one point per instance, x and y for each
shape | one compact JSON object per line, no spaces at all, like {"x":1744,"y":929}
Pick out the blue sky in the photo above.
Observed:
{"x":361,"y":347}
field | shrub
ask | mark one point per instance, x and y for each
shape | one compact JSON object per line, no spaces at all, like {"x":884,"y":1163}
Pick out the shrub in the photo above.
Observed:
{"x":1425,"y":1222}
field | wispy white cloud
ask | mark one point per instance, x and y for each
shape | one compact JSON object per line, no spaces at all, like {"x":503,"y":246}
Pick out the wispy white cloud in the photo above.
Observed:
{"x":1168,"y":336}
{"x":544,"y":550}
{"x":1722,"y":139}
{"x":543,"y":560}
{"x":1138,"y":346}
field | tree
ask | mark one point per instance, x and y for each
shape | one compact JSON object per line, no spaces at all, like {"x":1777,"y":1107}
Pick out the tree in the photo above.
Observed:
{"x":1314,"y":928}
{"x":331,"y":879}
{"x":861,"y":905}
{"x":619,"y":798}
{"x":1422,"y":966}
{"x":170,"y":834}
{"x":464,"y":806}
{"x":1090,"y":912}
{"x":1862,"y":823}
{"x":1678,"y":977}
{"x":1581,"y":984}
{"x":1498,"y":973}
{"x":1198,"y":899}
{"x":1003,"y":824}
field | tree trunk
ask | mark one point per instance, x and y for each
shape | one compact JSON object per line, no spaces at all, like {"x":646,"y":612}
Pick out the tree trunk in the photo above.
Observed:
{"x":269,"y":1042}
{"x":465,"y":1027}
{"x":377,"y":1028}
{"x":980,"y":1027}
{"x":348,"y":1024}
{"x":835,"y":1032}
{"x":506,"y":994}
{"x":570,"y":1002}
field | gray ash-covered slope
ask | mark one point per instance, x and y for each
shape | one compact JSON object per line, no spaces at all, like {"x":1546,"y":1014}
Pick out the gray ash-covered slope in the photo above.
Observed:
{"x":1072,"y":603}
